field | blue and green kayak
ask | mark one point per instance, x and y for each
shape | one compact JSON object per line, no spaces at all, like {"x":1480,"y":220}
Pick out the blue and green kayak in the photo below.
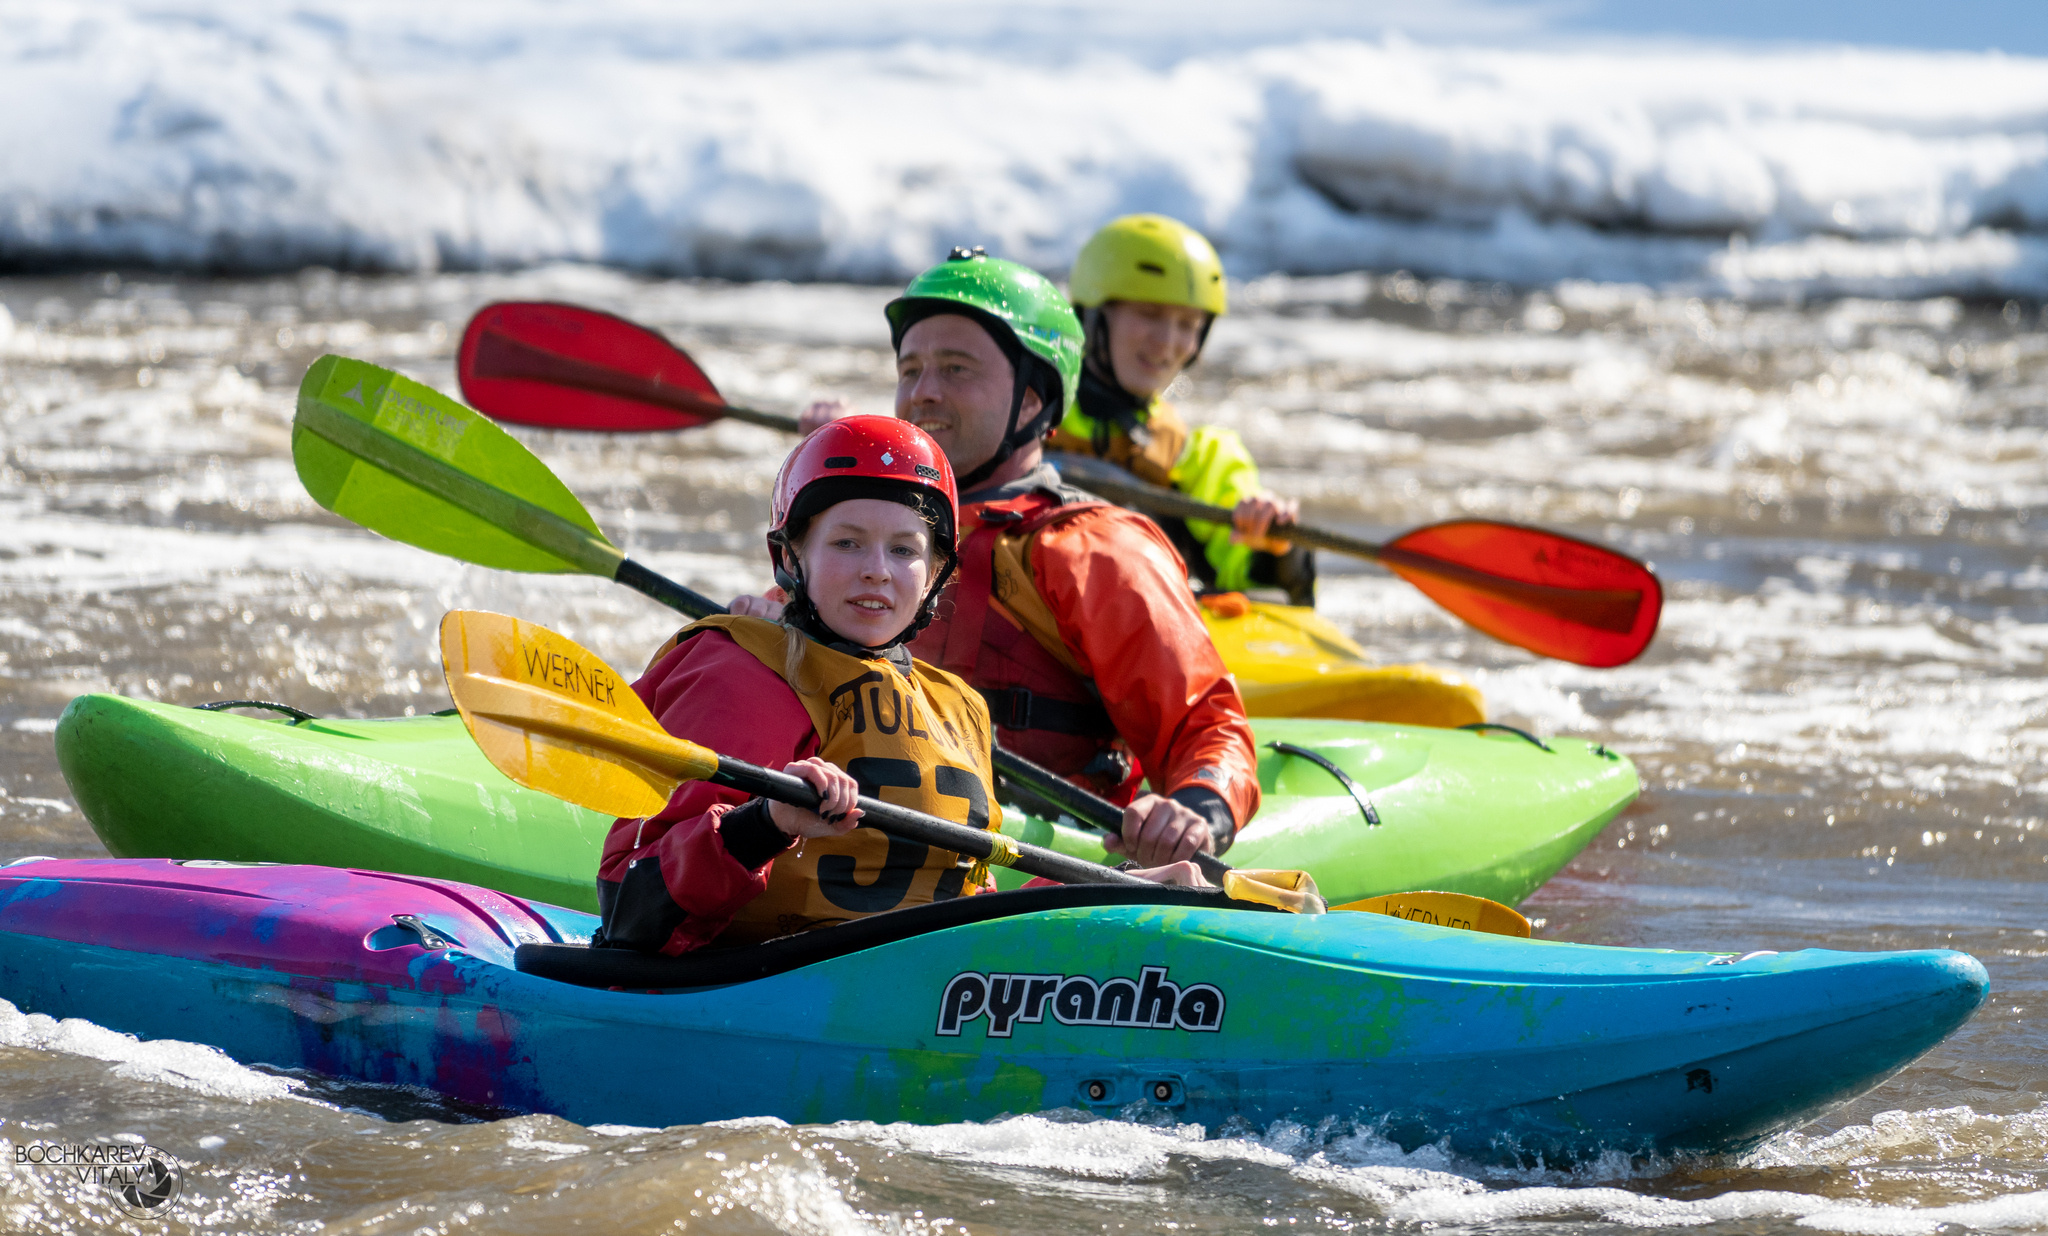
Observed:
{"x":1137,"y":1002}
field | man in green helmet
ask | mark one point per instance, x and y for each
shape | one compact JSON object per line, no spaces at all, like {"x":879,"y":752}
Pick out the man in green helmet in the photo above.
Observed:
{"x":1148,"y":289}
{"x":1071,"y":616}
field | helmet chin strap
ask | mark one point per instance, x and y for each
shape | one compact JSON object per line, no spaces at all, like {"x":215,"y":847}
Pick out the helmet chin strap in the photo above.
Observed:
{"x":1011,"y":438}
{"x":799,"y":610}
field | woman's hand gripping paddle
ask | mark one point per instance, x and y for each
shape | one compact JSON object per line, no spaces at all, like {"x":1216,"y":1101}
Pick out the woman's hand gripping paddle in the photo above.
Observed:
{"x":1555,"y":595}
{"x":406,"y":461}
{"x":565,"y":367}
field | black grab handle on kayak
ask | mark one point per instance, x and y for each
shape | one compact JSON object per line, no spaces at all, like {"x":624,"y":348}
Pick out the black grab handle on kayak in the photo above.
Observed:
{"x":1480,"y":727}
{"x":295,"y":714}
{"x":1357,"y":792}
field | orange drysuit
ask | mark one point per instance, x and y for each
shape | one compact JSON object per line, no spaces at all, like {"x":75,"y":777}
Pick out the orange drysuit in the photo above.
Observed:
{"x":1075,"y":620}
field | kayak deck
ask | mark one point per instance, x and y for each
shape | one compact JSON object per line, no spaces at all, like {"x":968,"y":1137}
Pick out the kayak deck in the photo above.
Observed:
{"x":1486,"y":813}
{"x":1194,"y":1013}
{"x":1489,"y":813}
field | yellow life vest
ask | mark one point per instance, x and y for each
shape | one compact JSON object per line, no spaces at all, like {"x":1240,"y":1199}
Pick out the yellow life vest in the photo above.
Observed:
{"x":918,"y":741}
{"x":1150,"y":453}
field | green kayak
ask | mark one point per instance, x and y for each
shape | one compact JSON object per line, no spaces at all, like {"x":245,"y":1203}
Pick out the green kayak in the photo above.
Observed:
{"x":1490,"y":812}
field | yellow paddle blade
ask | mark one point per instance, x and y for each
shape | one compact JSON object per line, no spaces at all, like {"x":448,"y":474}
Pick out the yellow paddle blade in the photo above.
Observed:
{"x":1447,"y":910}
{"x":1293,"y":891}
{"x":551,"y":715}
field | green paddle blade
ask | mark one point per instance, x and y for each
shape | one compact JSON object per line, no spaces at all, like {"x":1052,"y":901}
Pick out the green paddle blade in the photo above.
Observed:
{"x":401,"y":458}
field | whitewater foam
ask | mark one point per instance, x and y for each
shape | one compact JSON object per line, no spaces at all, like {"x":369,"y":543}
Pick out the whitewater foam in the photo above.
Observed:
{"x":860,"y":143}
{"x":1430,"y":1187}
{"x":2023,"y":1211}
{"x":1945,"y":1133}
{"x":187,"y":1066}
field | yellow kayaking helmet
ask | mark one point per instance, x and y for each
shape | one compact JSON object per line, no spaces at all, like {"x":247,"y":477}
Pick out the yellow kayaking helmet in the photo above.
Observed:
{"x":1149,"y":258}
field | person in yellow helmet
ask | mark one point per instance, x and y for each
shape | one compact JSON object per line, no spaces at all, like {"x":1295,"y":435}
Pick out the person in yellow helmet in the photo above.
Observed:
{"x":1147,"y":289}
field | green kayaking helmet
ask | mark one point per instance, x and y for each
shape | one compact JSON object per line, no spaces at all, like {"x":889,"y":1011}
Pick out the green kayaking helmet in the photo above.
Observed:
{"x":1026,"y":316}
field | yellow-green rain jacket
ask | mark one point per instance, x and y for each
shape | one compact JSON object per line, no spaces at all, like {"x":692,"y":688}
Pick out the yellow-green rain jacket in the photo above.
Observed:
{"x":1207,"y":464}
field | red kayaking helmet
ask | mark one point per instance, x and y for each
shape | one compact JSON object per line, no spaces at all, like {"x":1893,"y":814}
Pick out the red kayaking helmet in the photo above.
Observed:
{"x":862,"y":457}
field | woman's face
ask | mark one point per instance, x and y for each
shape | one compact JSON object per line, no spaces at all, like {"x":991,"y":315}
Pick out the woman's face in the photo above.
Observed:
{"x":866,"y":564}
{"x":1150,"y":344}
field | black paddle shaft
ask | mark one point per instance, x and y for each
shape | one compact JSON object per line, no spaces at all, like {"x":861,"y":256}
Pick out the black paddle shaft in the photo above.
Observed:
{"x":930,"y":829}
{"x":685,"y":601}
{"x":1604,"y":609}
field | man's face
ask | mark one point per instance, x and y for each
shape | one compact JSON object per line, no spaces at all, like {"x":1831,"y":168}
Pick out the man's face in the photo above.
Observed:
{"x":953,"y":382}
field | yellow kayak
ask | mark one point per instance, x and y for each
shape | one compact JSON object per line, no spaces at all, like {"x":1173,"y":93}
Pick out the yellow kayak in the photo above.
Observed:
{"x":1291,"y":662}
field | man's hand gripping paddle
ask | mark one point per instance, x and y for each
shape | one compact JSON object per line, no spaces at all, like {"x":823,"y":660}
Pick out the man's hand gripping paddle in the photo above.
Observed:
{"x":406,"y":461}
{"x":565,"y":367}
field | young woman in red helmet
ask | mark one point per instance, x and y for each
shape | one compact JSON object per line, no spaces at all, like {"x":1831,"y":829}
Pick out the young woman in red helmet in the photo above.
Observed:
{"x":861,"y":533}
{"x":862,"y":528}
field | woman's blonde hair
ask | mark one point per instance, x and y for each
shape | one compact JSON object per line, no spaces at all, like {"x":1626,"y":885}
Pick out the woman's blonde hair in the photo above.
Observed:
{"x":793,"y":642}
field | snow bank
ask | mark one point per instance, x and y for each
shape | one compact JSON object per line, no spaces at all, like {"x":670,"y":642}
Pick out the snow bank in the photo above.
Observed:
{"x":855,"y":141}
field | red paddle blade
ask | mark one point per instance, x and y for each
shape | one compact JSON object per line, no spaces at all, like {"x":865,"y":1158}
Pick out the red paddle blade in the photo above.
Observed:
{"x":566,"y":367}
{"x":1552,"y":594}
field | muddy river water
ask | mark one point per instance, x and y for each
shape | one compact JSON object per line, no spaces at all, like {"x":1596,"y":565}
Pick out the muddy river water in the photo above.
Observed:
{"x":1841,"y":725}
